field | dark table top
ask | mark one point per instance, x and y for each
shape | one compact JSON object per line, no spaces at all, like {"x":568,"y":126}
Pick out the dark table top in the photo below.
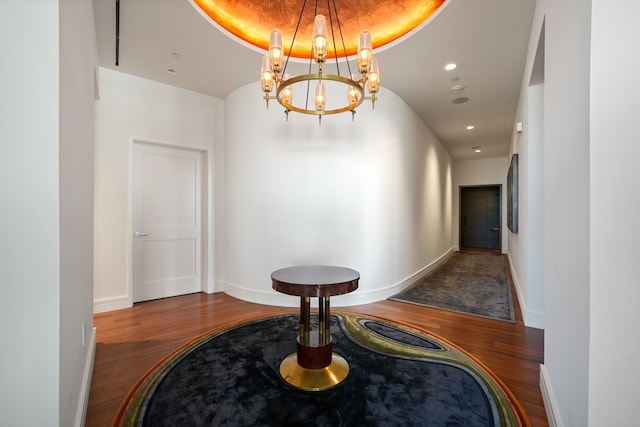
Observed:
{"x":315,"y":280}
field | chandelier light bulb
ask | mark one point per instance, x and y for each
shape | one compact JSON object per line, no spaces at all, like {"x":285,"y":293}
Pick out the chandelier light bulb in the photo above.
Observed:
{"x":275,"y":50}
{"x":364,"y":52}
{"x":319,"y":38}
{"x":287,"y":93}
{"x":321,"y":97}
{"x":353,"y":96}
{"x":373,"y":81}
{"x":266,"y":75}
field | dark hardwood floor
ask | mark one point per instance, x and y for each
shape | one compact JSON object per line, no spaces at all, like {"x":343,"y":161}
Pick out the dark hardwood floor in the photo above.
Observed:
{"x":131,"y":341}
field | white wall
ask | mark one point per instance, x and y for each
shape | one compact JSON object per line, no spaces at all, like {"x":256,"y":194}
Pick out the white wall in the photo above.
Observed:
{"x":46,"y":183}
{"x":29,"y":217}
{"x":373,"y":195}
{"x":78,"y":60}
{"x":526,"y":248}
{"x":132,"y":108}
{"x":532,"y":149}
{"x":591,"y":374}
{"x":566,"y":212}
{"x":614,"y":229}
{"x":492,"y":171}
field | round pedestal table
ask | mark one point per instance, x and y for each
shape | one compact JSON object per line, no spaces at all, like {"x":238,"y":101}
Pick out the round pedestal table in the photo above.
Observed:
{"x":314,"y":366}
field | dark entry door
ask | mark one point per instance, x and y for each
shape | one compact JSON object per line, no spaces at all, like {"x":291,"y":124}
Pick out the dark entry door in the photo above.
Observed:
{"x":480,"y":217}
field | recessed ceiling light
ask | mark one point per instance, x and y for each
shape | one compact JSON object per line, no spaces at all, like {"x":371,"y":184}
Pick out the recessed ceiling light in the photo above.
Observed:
{"x":450,"y":67}
{"x":171,"y":71}
{"x":176,"y":55}
{"x":457,"y":88}
{"x":477,"y":149}
{"x":460,"y":100}
{"x":470,"y":127}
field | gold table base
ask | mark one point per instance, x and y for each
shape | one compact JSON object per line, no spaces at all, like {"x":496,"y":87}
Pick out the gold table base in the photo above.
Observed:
{"x":314,"y":379}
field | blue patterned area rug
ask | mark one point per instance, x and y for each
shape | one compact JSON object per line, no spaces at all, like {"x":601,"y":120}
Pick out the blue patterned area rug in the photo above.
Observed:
{"x":399,"y":375}
{"x":468,"y":282}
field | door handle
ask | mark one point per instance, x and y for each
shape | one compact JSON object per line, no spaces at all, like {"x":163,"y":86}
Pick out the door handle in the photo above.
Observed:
{"x":139,"y":234}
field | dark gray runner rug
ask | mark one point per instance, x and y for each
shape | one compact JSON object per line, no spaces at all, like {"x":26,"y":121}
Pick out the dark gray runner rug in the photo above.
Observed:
{"x":469,"y":282}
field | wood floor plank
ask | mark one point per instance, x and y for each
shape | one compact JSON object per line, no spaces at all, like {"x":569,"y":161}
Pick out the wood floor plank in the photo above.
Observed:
{"x":131,"y":341}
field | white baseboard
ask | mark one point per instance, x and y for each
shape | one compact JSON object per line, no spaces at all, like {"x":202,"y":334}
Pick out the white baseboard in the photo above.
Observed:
{"x":118,"y":303}
{"x":213,"y":286}
{"x":533,"y":319}
{"x":420,"y":274}
{"x":218,"y":286}
{"x":271,"y":297}
{"x":110,"y":304}
{"x":360,"y":296}
{"x":548,"y":397}
{"x":83,"y":400}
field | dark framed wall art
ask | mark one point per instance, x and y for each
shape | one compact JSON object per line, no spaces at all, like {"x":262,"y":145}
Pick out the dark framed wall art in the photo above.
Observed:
{"x":512,"y":195}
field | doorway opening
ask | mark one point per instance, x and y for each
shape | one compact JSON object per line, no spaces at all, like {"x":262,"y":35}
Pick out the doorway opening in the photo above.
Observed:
{"x":480,"y":218}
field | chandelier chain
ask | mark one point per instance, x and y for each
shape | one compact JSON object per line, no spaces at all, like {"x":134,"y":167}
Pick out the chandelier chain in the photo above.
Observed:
{"x":344,"y":47}
{"x":295,"y":33}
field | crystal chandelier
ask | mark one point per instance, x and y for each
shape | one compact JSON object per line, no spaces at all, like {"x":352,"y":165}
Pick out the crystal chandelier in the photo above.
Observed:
{"x":274,"y":67}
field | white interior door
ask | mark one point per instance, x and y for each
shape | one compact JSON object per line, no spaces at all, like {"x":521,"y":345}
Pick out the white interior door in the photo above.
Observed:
{"x":166,"y":221}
